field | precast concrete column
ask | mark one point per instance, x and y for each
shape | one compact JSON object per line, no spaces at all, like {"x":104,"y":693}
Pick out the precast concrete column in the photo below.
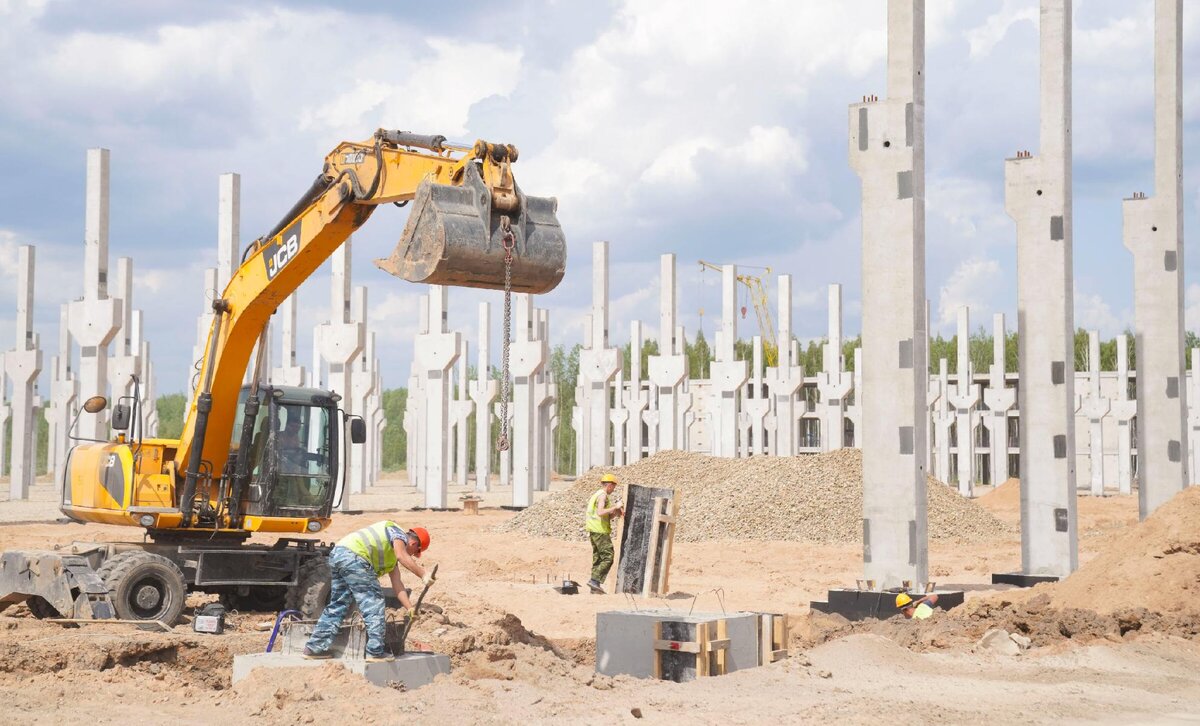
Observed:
{"x":1194,"y":416}
{"x":414,"y":413}
{"x":22,"y":365}
{"x":668,"y":369}
{"x":436,"y":352}
{"x":635,"y":399}
{"x":1124,"y":409}
{"x":964,"y":397}
{"x":936,"y":399}
{"x":1153,"y":232}
{"x":229,"y":227}
{"x":887,"y":151}
{"x":685,"y":402}
{"x":544,"y":396}
{"x":999,"y":399}
{"x":833,"y":382}
{"x":854,"y":411}
{"x":504,"y":476}
{"x":526,"y":359}
{"x":125,"y":362}
{"x":944,"y":417}
{"x":461,"y":409}
{"x":362,"y":383}
{"x":598,"y":363}
{"x":726,"y":375}
{"x":483,"y":392}
{"x":290,"y":373}
{"x":203,"y":326}
{"x":5,"y":413}
{"x":1038,"y":198}
{"x":618,"y":416}
{"x":786,"y":378}
{"x":1094,"y":406}
{"x":755,"y":406}
{"x":63,"y":395}
{"x":95,"y":319}
{"x":340,"y":341}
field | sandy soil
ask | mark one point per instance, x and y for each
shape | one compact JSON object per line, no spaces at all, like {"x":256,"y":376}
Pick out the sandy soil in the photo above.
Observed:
{"x":522,"y":652}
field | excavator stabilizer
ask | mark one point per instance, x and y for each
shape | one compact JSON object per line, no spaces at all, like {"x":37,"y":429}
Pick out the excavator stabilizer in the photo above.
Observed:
{"x":53,"y":584}
{"x":454,"y":236}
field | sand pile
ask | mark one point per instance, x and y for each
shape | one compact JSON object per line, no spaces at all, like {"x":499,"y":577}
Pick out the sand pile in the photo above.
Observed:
{"x":815,"y":498}
{"x":1153,"y":565}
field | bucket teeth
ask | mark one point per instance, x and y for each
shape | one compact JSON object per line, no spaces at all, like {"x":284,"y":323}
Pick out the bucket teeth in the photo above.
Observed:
{"x":453,"y":237}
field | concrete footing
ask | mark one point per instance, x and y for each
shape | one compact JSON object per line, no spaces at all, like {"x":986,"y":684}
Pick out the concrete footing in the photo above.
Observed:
{"x":413,"y":670}
{"x":625,"y":640}
{"x":1020,"y":580}
{"x":855,"y":604}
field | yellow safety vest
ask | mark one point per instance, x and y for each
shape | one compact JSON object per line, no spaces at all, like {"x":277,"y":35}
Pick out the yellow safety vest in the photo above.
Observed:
{"x":371,"y":544}
{"x":922,"y":611}
{"x":595,"y":522}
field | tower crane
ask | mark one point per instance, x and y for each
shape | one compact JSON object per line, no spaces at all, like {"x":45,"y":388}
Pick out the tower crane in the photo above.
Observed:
{"x":757,"y":292}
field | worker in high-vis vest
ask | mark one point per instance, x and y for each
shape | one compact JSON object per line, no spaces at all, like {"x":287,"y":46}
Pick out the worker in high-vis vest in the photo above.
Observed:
{"x":599,"y":527}
{"x":920,"y":609}
{"x":356,"y":563}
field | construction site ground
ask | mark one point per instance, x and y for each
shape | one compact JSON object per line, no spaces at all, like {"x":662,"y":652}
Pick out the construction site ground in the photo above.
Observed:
{"x":523,"y":653}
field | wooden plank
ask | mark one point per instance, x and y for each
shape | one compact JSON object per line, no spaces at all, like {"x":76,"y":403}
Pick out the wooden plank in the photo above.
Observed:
{"x":723,"y":637}
{"x":778,"y":655}
{"x":649,"y":583}
{"x":702,"y":658}
{"x":766,"y":638}
{"x":665,"y":579}
{"x":678,"y":646}
{"x":657,"y":657}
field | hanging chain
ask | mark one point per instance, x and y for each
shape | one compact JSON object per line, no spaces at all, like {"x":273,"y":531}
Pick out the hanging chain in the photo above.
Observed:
{"x":508,"y":241}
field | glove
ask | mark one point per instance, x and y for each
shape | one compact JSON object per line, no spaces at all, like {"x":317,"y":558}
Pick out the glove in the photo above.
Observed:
{"x":412,"y":615}
{"x":428,"y":578}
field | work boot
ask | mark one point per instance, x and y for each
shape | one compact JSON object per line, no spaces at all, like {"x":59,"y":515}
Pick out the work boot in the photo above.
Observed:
{"x":595,"y":587}
{"x":380,"y":658}
{"x":316,"y":654}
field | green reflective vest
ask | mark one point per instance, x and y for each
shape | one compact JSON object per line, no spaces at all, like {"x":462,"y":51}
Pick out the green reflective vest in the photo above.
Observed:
{"x":371,"y":544}
{"x":595,"y":522}
{"x":922,"y":612}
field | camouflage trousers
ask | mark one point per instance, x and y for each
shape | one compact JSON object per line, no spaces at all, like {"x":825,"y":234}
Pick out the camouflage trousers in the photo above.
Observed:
{"x":352,"y":580}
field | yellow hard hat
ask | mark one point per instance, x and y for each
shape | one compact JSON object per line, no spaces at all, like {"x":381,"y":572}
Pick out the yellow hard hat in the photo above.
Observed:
{"x":902,"y":600}
{"x":608,"y":479}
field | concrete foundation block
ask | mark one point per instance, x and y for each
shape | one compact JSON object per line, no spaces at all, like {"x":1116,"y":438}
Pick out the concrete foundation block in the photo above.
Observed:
{"x":412,"y":669}
{"x":625,"y":639}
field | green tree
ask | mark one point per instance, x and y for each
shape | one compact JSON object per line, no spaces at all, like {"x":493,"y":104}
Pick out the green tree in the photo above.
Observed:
{"x":170,"y":415}
{"x":395,"y":438}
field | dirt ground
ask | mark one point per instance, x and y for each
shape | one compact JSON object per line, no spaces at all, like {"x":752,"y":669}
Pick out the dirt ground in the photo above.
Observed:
{"x":522,"y":652}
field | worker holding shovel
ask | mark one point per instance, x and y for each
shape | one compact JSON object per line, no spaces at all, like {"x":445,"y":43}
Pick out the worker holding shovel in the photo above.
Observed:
{"x":356,"y":563}
{"x":599,"y":528}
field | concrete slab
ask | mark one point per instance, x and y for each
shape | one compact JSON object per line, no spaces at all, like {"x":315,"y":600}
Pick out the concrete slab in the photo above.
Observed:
{"x":625,"y":639}
{"x":411,"y":669}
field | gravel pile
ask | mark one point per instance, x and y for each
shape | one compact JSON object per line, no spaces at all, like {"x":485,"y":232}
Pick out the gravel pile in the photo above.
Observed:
{"x":815,"y":498}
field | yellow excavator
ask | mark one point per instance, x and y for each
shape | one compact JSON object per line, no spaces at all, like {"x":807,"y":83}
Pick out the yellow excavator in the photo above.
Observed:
{"x":262,"y":458}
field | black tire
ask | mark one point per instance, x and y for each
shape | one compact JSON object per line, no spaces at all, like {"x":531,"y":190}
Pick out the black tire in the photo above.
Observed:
{"x":310,"y":594}
{"x":144,"y":586}
{"x":41,"y":609}
{"x":259,"y":599}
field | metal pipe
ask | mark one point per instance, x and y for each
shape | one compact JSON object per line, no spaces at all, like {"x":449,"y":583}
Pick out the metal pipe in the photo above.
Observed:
{"x":432,"y":142}
{"x":241,"y":474}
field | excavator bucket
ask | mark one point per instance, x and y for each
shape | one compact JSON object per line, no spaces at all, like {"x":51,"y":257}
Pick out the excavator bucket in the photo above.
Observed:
{"x":454,"y":237}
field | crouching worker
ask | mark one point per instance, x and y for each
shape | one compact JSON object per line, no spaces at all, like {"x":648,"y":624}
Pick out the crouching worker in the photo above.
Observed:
{"x":599,"y":528}
{"x":919,"y":609}
{"x":356,"y":563}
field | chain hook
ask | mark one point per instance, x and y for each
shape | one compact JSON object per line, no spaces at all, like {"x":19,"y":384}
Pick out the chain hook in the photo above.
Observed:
{"x":508,"y":241}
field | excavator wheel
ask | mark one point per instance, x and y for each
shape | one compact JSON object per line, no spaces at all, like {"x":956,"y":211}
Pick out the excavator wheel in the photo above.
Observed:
{"x":310,"y":594}
{"x":144,"y":586}
{"x":258,"y":599}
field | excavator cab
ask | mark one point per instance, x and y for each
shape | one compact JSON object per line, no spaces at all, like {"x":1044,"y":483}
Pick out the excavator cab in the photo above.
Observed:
{"x":294,"y":466}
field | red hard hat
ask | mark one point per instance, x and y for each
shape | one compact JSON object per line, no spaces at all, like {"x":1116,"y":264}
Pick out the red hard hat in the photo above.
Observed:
{"x":422,"y":537}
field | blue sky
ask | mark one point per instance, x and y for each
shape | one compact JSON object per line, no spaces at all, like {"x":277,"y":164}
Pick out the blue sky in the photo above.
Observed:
{"x":661,"y":126}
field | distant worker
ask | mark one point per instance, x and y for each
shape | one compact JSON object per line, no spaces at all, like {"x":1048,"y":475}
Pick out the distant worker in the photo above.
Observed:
{"x":599,"y":527}
{"x":919,"y":609}
{"x":356,"y":563}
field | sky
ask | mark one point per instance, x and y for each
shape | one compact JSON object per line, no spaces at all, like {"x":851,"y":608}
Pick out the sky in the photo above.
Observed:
{"x":660,"y":126}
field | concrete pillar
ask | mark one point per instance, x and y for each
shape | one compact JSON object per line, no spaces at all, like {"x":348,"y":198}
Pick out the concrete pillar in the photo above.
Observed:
{"x":1153,"y":232}
{"x":63,"y":397}
{"x":887,"y":151}
{"x":999,"y":399}
{"x":229,"y":226}
{"x":685,"y":402}
{"x":544,"y":396}
{"x":726,"y":375}
{"x":414,"y":414}
{"x":1124,"y":409}
{"x":1194,"y":416}
{"x":483,"y":392}
{"x":94,"y":320}
{"x":526,"y":358}
{"x":598,"y":363}
{"x":619,"y":418}
{"x":1094,"y":406}
{"x":22,"y":365}
{"x":755,"y":406}
{"x":833,"y":382}
{"x":964,"y":397}
{"x":944,"y":417}
{"x":289,"y":373}
{"x":341,"y":340}
{"x":5,"y":414}
{"x":504,"y":476}
{"x":203,"y":326}
{"x":785,"y":379}
{"x":362,"y":385}
{"x":668,"y":369}
{"x":461,"y":409}
{"x":436,"y":352}
{"x":125,"y":361}
{"x":634,"y":398}
{"x":854,"y":411}
{"x":1038,"y":198}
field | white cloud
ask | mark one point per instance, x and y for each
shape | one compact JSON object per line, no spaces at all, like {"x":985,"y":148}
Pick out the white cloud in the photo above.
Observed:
{"x":977,"y":284}
{"x":1092,"y":312}
{"x":984,"y":38}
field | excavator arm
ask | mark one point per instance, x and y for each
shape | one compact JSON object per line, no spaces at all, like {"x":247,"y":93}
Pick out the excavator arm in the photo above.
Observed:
{"x":467,"y":216}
